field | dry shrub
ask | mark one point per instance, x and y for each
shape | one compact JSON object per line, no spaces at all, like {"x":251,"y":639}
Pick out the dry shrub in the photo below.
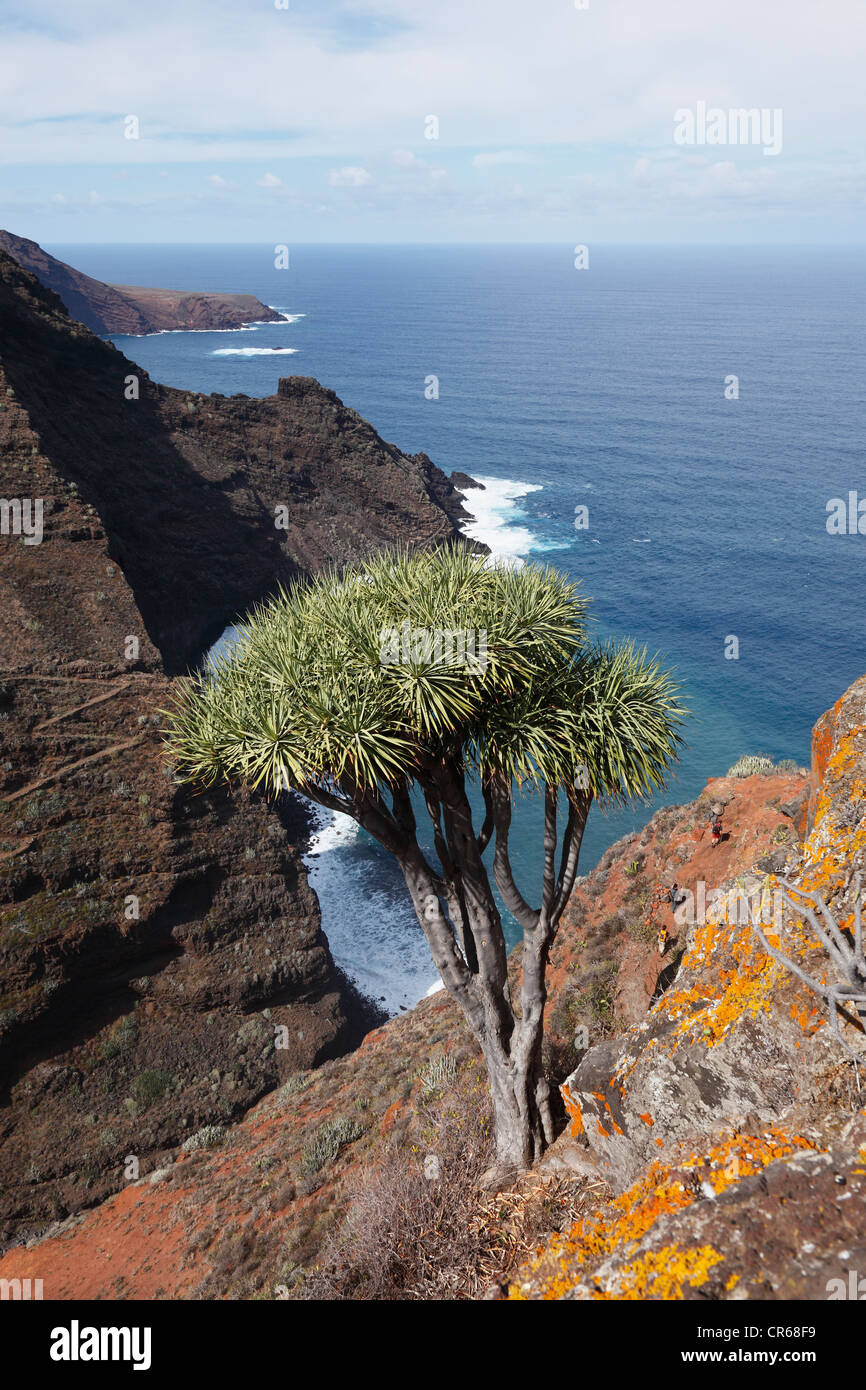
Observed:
{"x":411,"y":1236}
{"x":409,"y":1233}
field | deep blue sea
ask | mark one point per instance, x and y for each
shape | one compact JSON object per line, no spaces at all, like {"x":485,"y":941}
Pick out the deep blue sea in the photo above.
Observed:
{"x":603,"y":388}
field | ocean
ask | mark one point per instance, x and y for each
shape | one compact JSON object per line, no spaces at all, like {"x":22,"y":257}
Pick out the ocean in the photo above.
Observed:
{"x":608,"y":388}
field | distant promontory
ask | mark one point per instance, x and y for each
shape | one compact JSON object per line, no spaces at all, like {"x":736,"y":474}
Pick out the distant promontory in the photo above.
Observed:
{"x":135,"y":309}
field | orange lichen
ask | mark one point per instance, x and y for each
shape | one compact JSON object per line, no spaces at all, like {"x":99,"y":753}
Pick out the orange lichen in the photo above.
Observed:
{"x":661,"y":1191}
{"x":574,"y":1112}
{"x":663,"y":1273}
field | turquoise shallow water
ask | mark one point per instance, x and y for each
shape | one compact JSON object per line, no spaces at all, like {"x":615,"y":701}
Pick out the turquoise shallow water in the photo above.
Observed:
{"x":602,"y":388}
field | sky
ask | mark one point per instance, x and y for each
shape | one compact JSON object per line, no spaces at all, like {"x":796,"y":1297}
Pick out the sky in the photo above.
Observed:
{"x":413,"y":121}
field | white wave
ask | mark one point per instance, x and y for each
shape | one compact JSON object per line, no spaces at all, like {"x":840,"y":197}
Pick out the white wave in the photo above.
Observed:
{"x":367,"y":915}
{"x":253,"y":352}
{"x":493,"y":512}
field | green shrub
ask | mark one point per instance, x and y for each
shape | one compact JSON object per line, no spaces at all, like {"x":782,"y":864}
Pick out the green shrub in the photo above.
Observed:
{"x":151,"y":1085}
{"x":121,"y":1038}
{"x":642,"y":931}
{"x":299,"y":1082}
{"x":438,"y":1075}
{"x":326,"y":1143}
{"x":750,"y":765}
{"x":209,"y":1137}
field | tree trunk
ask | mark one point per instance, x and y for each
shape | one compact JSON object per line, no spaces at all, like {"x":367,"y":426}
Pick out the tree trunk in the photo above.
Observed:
{"x":511,"y":1047}
{"x":460,"y":919}
{"x":519,"y":1096}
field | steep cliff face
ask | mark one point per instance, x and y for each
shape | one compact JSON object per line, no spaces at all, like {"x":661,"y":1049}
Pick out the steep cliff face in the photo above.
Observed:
{"x":208,"y":499}
{"x":152,"y":941}
{"x":730,"y":1119}
{"x":134,"y":309}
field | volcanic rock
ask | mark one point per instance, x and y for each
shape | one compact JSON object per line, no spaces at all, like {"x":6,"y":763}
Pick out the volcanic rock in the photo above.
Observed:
{"x":135,"y":309}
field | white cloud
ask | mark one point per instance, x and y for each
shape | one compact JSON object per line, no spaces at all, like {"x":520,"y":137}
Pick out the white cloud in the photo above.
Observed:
{"x":494,"y":158}
{"x":581,"y":104}
{"x":501,"y":76}
{"x":351,"y":176}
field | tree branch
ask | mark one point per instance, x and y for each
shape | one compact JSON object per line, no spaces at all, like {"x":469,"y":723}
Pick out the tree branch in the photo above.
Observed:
{"x":548,"y":885}
{"x":500,"y":804}
{"x":453,"y":970}
{"x":578,"y":812}
{"x":452,"y":882}
{"x":488,"y":826}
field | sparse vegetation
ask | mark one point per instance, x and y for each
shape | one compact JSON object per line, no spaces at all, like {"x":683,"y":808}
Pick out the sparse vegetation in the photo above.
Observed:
{"x":299,"y":1082}
{"x":121,"y":1038}
{"x":751,"y":765}
{"x":421,"y":1227}
{"x":151,"y":1085}
{"x":208,"y":1137}
{"x":327,"y":1141}
{"x":642,"y":930}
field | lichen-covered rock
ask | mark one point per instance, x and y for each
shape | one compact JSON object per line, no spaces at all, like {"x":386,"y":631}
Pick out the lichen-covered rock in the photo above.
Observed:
{"x":769,"y":1202}
{"x":768,"y":1215}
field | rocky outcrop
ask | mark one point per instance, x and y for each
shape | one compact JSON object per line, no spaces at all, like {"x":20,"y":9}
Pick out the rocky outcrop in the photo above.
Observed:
{"x":197,"y":311}
{"x":729,"y":1120}
{"x":134,"y":309}
{"x":161,"y":958}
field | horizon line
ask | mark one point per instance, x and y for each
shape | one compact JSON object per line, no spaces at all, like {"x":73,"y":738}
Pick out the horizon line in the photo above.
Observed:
{"x":679,"y":245}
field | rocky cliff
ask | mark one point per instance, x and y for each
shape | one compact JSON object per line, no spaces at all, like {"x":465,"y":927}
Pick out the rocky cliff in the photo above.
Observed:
{"x":134,"y":309}
{"x":729,"y":1122}
{"x":251,"y":1214}
{"x":152,"y":940}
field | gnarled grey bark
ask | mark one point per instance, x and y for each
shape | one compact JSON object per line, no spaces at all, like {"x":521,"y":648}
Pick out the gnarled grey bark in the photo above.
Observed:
{"x":460,"y":919}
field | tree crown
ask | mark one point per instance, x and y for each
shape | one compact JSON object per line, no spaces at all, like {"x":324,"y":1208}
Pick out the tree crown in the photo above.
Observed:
{"x":362,"y":678}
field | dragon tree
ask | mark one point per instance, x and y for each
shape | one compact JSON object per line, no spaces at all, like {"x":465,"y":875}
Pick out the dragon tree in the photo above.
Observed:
{"x":386,"y":688}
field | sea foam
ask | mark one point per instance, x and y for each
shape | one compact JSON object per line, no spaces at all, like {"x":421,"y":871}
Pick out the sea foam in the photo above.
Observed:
{"x":253,"y":352}
{"x":493,"y":512}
